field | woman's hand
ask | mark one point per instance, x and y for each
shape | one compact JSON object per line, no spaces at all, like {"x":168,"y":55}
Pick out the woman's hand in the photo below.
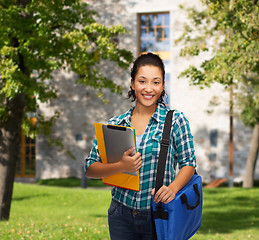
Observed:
{"x":130,"y":162}
{"x":167,"y":194}
{"x":164,"y":194}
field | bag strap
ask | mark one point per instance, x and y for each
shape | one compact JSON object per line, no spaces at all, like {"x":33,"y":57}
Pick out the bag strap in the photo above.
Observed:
{"x":163,"y":150}
{"x":184,"y":198}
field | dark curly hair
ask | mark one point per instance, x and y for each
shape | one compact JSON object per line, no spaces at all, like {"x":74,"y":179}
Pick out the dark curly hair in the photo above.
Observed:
{"x":143,"y":60}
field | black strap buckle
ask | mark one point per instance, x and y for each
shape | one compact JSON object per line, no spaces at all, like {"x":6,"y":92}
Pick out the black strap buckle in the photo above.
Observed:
{"x":160,"y":213}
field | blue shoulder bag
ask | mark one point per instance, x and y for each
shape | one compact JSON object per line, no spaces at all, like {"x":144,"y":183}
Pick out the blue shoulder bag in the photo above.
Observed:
{"x":181,"y":218}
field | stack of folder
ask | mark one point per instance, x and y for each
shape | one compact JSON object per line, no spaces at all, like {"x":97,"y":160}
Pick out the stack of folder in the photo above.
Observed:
{"x":122,"y":180}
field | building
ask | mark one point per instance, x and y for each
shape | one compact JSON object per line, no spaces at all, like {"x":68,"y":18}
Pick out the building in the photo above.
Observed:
{"x":153,"y":26}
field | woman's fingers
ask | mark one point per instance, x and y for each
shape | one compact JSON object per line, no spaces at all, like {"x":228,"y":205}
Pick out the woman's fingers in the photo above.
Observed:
{"x":131,"y":163}
{"x":164,"y":194}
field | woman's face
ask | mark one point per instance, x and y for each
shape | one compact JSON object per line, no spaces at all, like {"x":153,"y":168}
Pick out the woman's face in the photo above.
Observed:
{"x":148,"y":85}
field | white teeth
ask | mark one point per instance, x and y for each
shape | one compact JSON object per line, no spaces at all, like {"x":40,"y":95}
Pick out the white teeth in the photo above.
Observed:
{"x":148,"y":96}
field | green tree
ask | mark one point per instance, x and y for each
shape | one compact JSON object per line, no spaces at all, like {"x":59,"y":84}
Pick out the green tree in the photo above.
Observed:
{"x":42,"y":36}
{"x":230,"y":30}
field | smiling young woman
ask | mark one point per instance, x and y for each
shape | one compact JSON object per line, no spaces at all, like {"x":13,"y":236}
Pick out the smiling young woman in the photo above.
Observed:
{"x":129,"y":215}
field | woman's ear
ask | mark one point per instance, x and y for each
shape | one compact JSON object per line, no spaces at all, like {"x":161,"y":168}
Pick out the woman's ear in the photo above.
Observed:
{"x":132,"y":85}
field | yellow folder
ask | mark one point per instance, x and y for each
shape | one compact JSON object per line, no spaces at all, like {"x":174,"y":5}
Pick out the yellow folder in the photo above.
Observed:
{"x":121,"y":180}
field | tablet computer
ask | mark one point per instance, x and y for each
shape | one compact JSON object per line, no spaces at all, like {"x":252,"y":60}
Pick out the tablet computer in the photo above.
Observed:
{"x":118,"y":139}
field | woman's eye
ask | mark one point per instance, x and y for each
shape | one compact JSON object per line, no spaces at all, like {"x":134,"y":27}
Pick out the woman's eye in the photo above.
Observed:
{"x":156,"y":83}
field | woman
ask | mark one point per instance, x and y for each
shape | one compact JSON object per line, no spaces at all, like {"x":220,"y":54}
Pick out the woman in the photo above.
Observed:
{"x":129,"y":215}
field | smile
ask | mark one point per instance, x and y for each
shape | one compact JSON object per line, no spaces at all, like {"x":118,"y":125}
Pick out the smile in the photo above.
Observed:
{"x":147,"y":96}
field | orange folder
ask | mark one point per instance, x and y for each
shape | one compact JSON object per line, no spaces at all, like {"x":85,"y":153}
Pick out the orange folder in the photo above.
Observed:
{"x":122,"y":180}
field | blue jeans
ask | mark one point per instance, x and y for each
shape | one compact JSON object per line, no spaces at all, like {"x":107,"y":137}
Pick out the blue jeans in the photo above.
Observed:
{"x":129,"y":224}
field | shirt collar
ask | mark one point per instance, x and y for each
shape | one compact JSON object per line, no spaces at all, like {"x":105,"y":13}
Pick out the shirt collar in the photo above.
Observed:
{"x":158,"y":115}
{"x":126,"y":117}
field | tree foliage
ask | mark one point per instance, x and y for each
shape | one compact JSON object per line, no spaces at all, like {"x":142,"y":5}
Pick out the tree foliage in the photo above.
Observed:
{"x":43,"y":36}
{"x":229,"y":30}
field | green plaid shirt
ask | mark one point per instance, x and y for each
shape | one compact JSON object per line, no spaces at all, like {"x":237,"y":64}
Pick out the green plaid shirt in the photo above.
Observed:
{"x":180,"y":151}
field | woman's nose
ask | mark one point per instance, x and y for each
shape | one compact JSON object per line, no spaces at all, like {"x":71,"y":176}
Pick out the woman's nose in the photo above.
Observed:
{"x":148,"y":87}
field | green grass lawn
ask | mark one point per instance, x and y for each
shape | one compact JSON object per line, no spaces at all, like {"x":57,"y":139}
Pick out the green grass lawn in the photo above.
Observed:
{"x":44,"y":212}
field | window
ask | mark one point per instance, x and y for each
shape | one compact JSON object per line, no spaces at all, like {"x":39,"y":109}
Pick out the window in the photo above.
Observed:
{"x":154,"y":36}
{"x":154,"y":32}
{"x":25,"y":165}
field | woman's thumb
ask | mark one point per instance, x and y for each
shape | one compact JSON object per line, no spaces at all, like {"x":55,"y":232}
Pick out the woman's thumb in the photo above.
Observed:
{"x":152,"y":191}
{"x":130,"y":151}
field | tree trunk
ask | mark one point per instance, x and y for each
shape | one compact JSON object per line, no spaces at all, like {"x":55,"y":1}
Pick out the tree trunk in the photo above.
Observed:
{"x":251,"y":161}
{"x":10,"y":138}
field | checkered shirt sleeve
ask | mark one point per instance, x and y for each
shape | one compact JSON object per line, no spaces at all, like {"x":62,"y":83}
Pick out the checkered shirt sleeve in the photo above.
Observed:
{"x":93,"y":156}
